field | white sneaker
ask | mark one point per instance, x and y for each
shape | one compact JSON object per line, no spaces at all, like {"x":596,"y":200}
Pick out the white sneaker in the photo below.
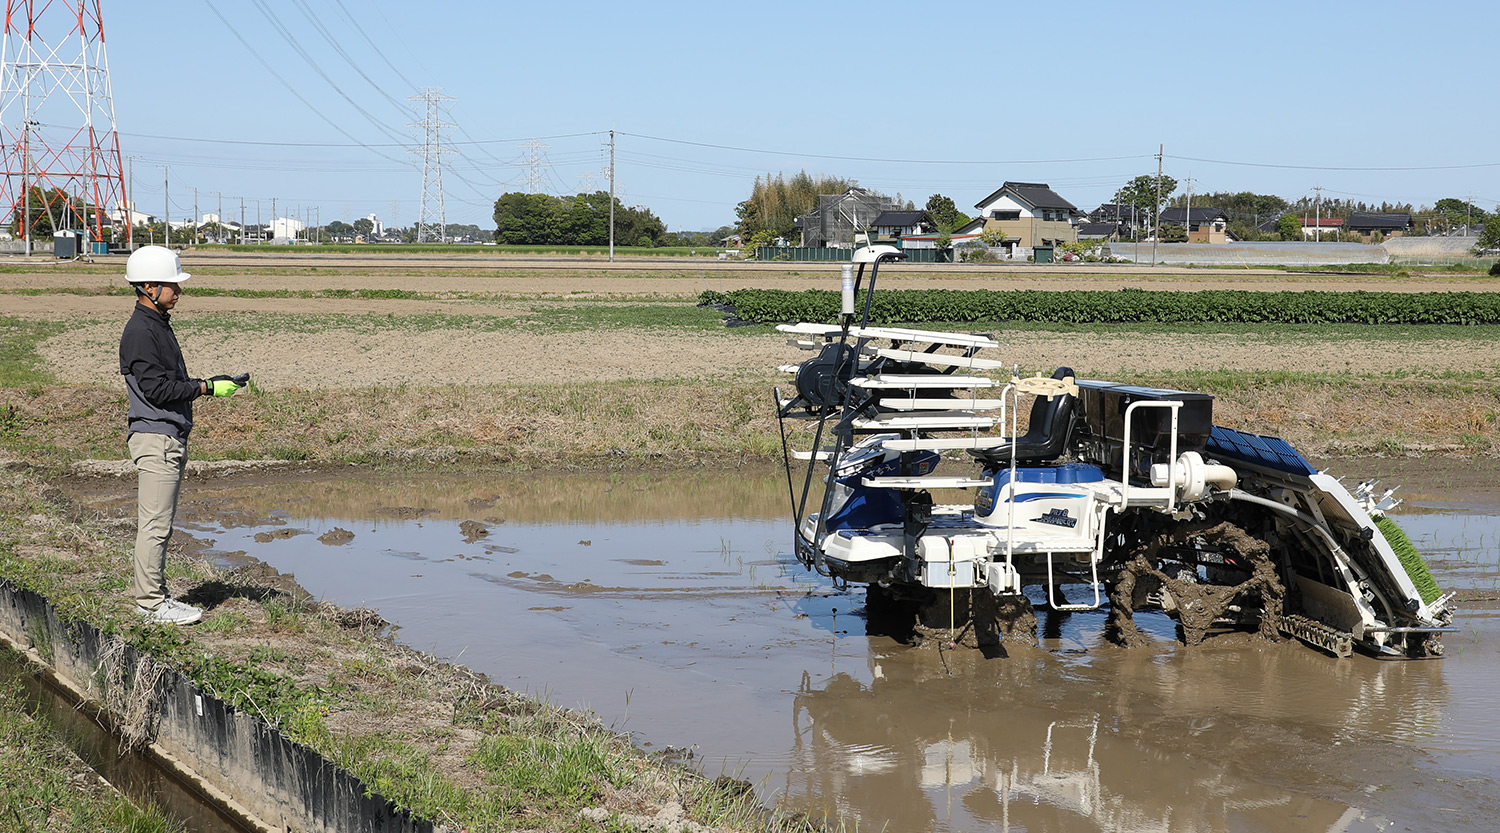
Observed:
{"x":172,"y":612}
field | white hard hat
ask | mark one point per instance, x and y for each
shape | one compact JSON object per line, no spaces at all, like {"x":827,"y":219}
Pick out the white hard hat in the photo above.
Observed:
{"x":156,"y":264}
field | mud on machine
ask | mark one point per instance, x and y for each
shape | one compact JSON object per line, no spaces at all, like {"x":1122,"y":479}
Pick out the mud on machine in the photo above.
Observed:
{"x":1130,"y":492}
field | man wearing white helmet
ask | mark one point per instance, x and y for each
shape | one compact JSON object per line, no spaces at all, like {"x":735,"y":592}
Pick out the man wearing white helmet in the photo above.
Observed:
{"x":161,"y":398}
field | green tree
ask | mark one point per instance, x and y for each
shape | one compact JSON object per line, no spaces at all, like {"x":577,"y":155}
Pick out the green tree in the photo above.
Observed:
{"x":364,"y":226}
{"x":1455,"y":212}
{"x":945,"y":213}
{"x":1289,"y":227}
{"x":1489,"y":238}
{"x":580,"y":220}
{"x":1142,"y":192}
{"x":47,"y":205}
{"x":776,"y":202}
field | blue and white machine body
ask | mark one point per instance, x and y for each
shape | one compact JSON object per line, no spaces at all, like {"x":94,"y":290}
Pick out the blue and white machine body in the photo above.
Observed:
{"x":1130,"y":492}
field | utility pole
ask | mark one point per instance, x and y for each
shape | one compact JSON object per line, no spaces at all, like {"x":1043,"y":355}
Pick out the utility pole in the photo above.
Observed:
{"x":611,"y":196}
{"x":130,"y":209}
{"x":26,"y":176}
{"x":1318,"y":215}
{"x":273,"y":218}
{"x":196,"y":216}
{"x":1156,"y":212}
{"x":166,"y":205}
{"x":242,"y":221}
{"x":1187,"y":218}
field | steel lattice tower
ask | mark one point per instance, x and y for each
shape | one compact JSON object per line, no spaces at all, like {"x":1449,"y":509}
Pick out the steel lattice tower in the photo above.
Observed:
{"x":57,"y":119}
{"x":432,"y":151}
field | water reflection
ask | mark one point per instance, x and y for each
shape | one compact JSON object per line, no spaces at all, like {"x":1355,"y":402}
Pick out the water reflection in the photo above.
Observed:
{"x":665,"y":605}
{"x":1171,"y":741}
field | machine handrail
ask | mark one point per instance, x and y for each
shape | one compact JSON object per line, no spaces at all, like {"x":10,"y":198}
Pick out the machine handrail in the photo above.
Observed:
{"x":1174,"y":405}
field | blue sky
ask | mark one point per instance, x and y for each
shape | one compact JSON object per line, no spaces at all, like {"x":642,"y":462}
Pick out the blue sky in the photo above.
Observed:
{"x":1269,"y":97}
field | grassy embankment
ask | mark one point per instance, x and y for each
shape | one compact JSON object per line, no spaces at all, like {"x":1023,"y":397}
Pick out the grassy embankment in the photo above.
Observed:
{"x":45,"y":787}
{"x":436,"y":739}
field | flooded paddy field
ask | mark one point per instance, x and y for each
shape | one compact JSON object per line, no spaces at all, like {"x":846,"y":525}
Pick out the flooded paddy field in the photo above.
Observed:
{"x":666,"y":604}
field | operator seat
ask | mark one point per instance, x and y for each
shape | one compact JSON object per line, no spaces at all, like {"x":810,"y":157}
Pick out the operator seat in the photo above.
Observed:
{"x":1047,"y":434}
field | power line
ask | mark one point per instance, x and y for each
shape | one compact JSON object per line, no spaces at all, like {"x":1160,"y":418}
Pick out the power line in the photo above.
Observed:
{"x":333,"y":42}
{"x":289,"y":87}
{"x":354,"y":21}
{"x":353,"y":144}
{"x":880,"y":159}
{"x":1338,"y":168}
{"x":297,"y":47}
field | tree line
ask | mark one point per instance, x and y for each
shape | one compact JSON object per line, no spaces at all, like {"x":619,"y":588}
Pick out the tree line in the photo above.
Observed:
{"x":579,"y":220}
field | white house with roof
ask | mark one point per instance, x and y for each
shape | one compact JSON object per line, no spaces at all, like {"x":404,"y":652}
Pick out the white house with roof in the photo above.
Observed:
{"x":1025,"y":215}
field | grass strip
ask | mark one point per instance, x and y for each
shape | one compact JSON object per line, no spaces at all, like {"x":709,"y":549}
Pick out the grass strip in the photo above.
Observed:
{"x":20,"y":362}
{"x":1119,"y":306}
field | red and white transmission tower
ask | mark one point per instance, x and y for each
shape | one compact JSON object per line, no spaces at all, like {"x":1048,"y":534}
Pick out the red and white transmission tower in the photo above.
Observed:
{"x":57,"y":121}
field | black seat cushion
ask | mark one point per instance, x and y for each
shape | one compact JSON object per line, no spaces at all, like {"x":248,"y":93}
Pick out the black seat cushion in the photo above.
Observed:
{"x":1047,"y":434}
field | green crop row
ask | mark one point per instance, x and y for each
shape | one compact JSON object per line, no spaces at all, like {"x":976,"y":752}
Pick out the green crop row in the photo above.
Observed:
{"x":1125,"y":306}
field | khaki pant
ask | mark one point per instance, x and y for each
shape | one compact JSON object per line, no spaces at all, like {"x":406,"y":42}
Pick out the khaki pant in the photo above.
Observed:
{"x":160,"y":461}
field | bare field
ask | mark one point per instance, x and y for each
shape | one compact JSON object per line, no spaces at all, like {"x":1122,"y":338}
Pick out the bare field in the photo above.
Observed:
{"x":486,"y":338}
{"x":358,"y":354}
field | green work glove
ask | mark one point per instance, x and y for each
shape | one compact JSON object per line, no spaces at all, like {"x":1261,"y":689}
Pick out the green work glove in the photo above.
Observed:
{"x":223,"y":386}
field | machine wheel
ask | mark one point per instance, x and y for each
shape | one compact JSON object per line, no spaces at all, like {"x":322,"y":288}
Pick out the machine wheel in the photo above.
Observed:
{"x":1196,"y":605}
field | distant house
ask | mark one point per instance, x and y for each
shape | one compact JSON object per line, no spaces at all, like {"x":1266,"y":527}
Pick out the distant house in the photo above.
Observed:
{"x":1319,"y":228}
{"x":1028,"y":214}
{"x":894,"y":225}
{"x":1099,"y":231}
{"x":929,"y":240}
{"x":1204,"y":224}
{"x":839,"y":217}
{"x":1131,"y":219}
{"x":1386,"y":224}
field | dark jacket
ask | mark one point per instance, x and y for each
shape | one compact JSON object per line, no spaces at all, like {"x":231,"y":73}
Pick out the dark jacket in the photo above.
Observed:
{"x":161,"y":392}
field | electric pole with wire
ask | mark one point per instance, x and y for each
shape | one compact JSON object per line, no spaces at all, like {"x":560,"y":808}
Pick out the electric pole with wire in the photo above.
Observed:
{"x":1318,"y":215}
{"x":611,"y":196}
{"x":432,"y":151}
{"x":1156,"y":215}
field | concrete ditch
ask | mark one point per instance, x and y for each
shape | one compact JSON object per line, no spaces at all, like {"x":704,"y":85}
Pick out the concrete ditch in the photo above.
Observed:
{"x":243,"y":768}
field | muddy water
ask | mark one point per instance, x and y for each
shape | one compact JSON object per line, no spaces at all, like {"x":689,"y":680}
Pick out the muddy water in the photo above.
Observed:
{"x":666,"y":606}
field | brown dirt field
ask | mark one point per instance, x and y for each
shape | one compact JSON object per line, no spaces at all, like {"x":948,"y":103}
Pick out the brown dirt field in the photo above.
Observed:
{"x":504,"y":287}
{"x":344,"y":358}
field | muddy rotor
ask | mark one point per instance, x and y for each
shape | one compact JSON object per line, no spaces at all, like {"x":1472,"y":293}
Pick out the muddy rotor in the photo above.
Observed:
{"x":1183,"y":572}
